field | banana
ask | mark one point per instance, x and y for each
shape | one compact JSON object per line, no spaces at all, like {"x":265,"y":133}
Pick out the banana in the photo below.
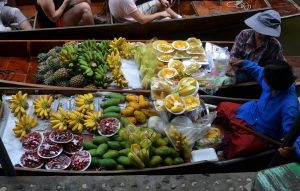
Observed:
{"x":24,"y":125}
{"x":59,"y":120}
{"x":91,"y":120}
{"x":85,"y":103}
{"x":75,"y":121}
{"x":18,"y":104}
{"x":42,"y":106}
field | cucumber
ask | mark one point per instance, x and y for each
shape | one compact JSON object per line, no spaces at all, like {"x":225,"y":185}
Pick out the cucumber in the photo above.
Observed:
{"x":114,"y":109}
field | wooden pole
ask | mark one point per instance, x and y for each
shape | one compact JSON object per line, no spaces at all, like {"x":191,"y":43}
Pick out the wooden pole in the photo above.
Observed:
{"x":5,"y":161}
{"x":270,"y":140}
{"x":288,"y":141}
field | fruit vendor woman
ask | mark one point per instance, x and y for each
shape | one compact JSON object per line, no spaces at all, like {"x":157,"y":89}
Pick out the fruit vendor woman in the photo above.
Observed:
{"x":272,"y":115}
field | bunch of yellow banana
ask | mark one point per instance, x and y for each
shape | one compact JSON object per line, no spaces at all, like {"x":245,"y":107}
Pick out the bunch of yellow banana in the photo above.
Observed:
{"x":121,"y":45}
{"x":42,"y":106}
{"x":76,"y":121}
{"x":91,"y":120}
{"x":85,"y":103}
{"x":114,"y":63}
{"x":18,"y":104}
{"x":59,"y":120}
{"x":24,"y":124}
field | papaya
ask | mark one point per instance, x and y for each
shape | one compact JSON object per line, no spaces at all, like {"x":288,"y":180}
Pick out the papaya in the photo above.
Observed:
{"x":168,"y":161}
{"x":100,"y":139}
{"x":114,"y":109}
{"x":155,"y":161}
{"x":89,"y":145}
{"x":120,"y":167}
{"x":111,"y":154}
{"x":114,"y":145}
{"x":108,"y":163}
{"x":164,"y":151}
{"x":101,"y":149}
{"x":178,"y":160}
{"x":123,"y":160}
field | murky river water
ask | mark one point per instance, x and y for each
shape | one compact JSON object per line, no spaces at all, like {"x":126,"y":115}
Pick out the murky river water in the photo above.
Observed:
{"x":290,"y":35}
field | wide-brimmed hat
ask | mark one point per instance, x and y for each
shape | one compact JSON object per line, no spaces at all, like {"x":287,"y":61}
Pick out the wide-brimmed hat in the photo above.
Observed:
{"x":267,"y":23}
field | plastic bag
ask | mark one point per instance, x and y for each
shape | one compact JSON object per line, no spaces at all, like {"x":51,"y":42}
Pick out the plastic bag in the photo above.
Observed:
{"x":182,"y":132}
{"x":220,"y":56}
{"x":160,"y":88}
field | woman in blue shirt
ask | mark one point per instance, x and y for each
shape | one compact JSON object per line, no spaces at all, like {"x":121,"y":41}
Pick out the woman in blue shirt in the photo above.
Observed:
{"x":272,"y":115}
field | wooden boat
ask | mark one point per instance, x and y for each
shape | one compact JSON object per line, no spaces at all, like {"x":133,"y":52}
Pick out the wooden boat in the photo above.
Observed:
{"x":19,"y":67}
{"x":199,"y":17}
{"x":243,"y":164}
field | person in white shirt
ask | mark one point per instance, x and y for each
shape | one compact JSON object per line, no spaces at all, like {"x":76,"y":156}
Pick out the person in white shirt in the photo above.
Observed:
{"x":128,"y":11}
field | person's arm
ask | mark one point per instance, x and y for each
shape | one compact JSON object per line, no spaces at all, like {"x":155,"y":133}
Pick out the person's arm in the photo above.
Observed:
{"x":49,"y":9}
{"x":238,"y":46}
{"x":289,"y":114}
{"x":250,"y":67}
{"x":143,"y":19}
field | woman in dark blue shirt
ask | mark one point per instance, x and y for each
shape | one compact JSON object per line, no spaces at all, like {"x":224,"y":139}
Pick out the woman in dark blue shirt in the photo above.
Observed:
{"x":273,"y":114}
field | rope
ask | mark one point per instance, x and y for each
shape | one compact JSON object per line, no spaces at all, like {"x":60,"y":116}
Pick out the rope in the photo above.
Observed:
{"x":239,"y":4}
{"x":5,"y":73}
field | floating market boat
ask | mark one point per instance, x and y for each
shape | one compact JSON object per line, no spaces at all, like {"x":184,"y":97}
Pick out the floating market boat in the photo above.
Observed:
{"x":19,"y":67}
{"x":199,"y":17}
{"x":253,"y":163}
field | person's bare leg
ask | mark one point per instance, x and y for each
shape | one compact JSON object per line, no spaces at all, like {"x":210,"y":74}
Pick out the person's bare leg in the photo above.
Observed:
{"x":173,"y":14}
{"x":25,"y":25}
{"x":80,"y":12}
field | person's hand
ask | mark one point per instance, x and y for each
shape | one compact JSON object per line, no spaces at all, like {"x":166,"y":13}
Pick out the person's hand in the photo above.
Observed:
{"x":287,"y":152}
{"x":236,"y":62}
{"x":165,"y":3}
{"x":231,"y":71}
{"x":164,"y":14}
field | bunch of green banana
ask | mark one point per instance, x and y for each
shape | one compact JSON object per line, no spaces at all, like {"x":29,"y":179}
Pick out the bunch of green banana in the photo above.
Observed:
{"x":76,"y":121}
{"x":87,"y":46}
{"x":89,"y":61}
{"x":91,"y":120}
{"x":42,"y":106}
{"x":24,"y":125}
{"x":101,"y":79}
{"x":68,"y":55}
{"x":18,"y":104}
{"x":59,"y":120}
{"x":85,"y":103}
